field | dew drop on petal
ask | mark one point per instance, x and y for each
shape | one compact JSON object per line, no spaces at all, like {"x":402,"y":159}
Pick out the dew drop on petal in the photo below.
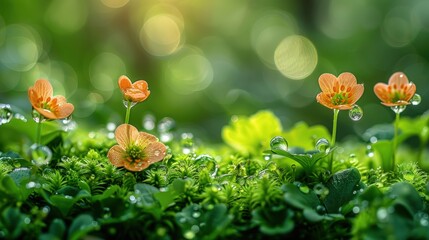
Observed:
{"x":37,"y":117}
{"x":5,"y":113}
{"x":322,"y":145}
{"x":355,"y":113}
{"x":398,"y":109}
{"x":40,"y":154}
{"x":416,"y":99}
{"x":279,"y":143}
{"x":126,"y":103}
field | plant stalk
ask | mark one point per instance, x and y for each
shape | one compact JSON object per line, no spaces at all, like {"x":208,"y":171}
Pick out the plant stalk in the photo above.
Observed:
{"x":127,"y":115}
{"x":39,"y":130}
{"x":334,"y":136}
{"x":395,"y":140}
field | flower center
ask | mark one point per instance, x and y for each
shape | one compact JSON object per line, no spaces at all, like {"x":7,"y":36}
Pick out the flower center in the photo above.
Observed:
{"x":50,"y":104}
{"x":135,"y":153}
{"x":340,"y":98}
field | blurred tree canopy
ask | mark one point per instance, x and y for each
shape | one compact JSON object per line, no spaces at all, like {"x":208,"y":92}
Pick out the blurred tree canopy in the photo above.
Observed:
{"x":208,"y":60}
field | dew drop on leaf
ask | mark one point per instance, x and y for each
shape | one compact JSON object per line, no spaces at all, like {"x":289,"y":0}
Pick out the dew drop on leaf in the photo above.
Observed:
{"x":189,"y":234}
{"x":5,"y":113}
{"x":278,"y":143}
{"x":322,"y":145}
{"x":355,"y":113}
{"x":40,"y":154}
{"x":304,"y":189}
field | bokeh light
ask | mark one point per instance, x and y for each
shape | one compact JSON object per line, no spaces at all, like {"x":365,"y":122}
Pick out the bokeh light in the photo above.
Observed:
{"x":66,"y":16}
{"x":104,"y":72}
{"x":268,"y":31}
{"x":115,"y":3}
{"x":398,"y":28}
{"x":188,"y":71}
{"x":19,"y":47}
{"x":296,"y":57}
{"x":161,"y":35}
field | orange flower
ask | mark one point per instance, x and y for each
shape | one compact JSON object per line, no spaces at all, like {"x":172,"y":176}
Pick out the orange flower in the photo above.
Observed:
{"x":133,"y":92}
{"x":340,"y":92}
{"x":397,"y":93}
{"x":135,"y":150}
{"x":51,"y":107}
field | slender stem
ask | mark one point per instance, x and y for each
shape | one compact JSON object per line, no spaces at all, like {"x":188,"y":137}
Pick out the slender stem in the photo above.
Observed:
{"x":395,"y":140}
{"x":127,"y":116}
{"x":334,"y":135}
{"x":334,"y":126}
{"x":39,"y":130}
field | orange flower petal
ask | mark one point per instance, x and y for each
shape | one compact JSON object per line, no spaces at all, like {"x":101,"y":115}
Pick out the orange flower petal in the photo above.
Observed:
{"x":326,"y":82}
{"x":115,"y":155}
{"x":410,"y":92}
{"x":65,"y":111}
{"x":397,"y":79}
{"x":124,"y":83}
{"x":136,"y":166}
{"x":46,"y":113}
{"x":357,"y":92}
{"x":155,"y":151}
{"x":380,"y":90}
{"x":125,"y":134}
{"x":145,"y":138}
{"x":43,"y":88}
{"x":347,"y":79}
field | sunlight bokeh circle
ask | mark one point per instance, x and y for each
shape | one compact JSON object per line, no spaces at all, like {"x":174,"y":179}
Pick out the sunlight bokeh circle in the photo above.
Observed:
{"x":295,"y":57}
{"x":188,"y":71}
{"x":161,"y":35}
{"x":115,"y":3}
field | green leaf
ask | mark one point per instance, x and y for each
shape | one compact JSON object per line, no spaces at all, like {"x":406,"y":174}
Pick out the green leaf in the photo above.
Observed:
{"x":65,"y":202}
{"x":274,"y":220}
{"x":13,"y":221}
{"x":306,"y":160}
{"x":168,"y":197}
{"x":146,"y":193}
{"x":211,"y":221}
{"x":57,"y":230}
{"x":303,"y":136}
{"x":384,"y":150}
{"x":251,"y":135}
{"x":81,"y":226}
{"x":296,"y":198}
{"x":405,"y":194}
{"x":342,"y":189}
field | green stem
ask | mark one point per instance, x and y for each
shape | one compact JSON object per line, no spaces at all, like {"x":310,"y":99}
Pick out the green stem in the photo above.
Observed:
{"x":334,"y":126}
{"x":127,"y":116}
{"x":395,"y":140}
{"x":39,"y":130}
{"x":334,"y":135}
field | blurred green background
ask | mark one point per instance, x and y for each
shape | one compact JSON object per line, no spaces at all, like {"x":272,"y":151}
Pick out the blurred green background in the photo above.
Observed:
{"x":206,"y":61}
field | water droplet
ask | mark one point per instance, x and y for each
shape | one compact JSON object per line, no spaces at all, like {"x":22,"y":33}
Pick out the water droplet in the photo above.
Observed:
{"x":355,"y":113}
{"x":111,"y":135}
{"x":369,"y":151}
{"x":278,"y":143}
{"x":40,"y":154}
{"x":424,"y":222}
{"x":382,"y":214}
{"x":133,"y":199}
{"x":125,"y":102}
{"x":373,"y":139}
{"x":27,"y":220}
{"x":189,"y":234}
{"x":67,"y":124}
{"x":356,"y":209}
{"x":46,"y":209}
{"x":322,"y":145}
{"x":320,"y":209}
{"x":416,"y":99}
{"x":68,"y":197}
{"x":166,"y":137}
{"x":266,"y":156}
{"x":321,"y":190}
{"x":111,"y":127}
{"x":19,"y":116}
{"x":5,"y":113}
{"x":196,"y":214}
{"x":30,"y":185}
{"x":37,"y":117}
{"x":398,"y":109}
{"x":304,"y":189}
